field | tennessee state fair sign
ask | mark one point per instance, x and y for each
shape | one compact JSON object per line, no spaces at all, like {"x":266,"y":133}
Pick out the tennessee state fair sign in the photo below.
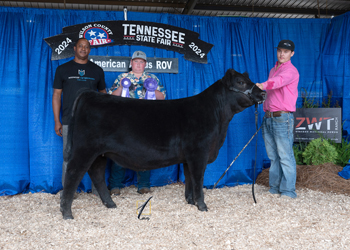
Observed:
{"x":109,"y":33}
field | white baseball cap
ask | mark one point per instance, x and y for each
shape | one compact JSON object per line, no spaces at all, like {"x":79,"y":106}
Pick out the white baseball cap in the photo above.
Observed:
{"x":139,"y":54}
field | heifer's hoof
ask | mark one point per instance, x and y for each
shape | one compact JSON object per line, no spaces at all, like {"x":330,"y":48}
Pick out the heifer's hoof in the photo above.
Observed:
{"x":191,"y":202}
{"x":68,"y":217}
{"x":202,"y":208}
{"x":110,"y":205}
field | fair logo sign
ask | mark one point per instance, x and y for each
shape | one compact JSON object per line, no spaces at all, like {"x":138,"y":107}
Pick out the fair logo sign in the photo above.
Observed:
{"x":312,"y":123}
{"x":110,"y":33}
{"x":96,"y":35}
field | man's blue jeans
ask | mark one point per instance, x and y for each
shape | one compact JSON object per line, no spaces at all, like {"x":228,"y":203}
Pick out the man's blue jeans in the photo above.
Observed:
{"x":117,"y":176}
{"x":278,"y":136}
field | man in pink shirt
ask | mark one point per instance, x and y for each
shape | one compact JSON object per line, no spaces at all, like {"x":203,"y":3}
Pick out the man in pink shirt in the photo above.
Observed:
{"x":277,"y":127}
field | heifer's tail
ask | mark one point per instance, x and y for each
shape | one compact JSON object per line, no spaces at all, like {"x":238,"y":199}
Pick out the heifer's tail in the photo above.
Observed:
{"x":68,"y":150}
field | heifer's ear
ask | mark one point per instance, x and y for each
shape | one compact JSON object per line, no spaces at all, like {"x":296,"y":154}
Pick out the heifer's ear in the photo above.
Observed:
{"x":228,"y":78}
{"x":246,"y":74}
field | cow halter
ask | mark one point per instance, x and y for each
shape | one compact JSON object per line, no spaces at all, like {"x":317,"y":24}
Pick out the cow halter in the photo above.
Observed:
{"x":248,"y":93}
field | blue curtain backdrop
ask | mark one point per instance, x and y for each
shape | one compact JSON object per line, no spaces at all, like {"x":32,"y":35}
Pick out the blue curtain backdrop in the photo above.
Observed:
{"x":31,"y":152}
{"x":336,"y":65}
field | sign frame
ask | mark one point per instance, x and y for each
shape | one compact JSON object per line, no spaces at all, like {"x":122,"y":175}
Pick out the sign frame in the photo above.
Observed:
{"x":312,"y":123}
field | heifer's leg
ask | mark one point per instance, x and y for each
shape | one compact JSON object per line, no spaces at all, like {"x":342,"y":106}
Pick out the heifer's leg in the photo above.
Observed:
{"x":197,"y":170}
{"x":76,"y":169}
{"x":97,"y":175}
{"x":188,"y":185}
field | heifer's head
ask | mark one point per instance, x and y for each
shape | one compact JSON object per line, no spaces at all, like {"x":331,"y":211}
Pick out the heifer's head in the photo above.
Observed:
{"x":240,"y":83}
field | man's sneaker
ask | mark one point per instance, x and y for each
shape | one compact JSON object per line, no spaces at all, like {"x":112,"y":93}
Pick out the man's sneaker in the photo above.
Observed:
{"x":286,"y":197}
{"x":144,"y":191}
{"x":115,"y":191}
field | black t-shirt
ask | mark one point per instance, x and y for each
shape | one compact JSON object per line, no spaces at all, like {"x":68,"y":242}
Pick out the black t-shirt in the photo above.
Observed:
{"x":71,"y":77}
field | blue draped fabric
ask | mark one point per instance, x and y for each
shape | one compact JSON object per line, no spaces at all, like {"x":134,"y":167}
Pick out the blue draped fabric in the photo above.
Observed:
{"x":336,"y":65}
{"x":14,"y":110}
{"x":31,"y":152}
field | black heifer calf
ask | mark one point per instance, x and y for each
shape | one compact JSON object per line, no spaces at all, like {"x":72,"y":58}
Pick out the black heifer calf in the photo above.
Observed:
{"x":144,"y":135}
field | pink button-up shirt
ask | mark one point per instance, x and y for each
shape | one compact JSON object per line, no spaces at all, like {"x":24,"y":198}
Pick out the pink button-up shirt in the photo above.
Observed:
{"x":282,"y":88}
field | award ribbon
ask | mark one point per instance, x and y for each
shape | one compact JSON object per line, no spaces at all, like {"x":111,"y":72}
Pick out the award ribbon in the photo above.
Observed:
{"x":126,"y":83}
{"x":150,"y":85}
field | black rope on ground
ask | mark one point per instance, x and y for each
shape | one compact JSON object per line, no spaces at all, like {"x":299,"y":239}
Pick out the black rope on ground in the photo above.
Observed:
{"x":142,"y":208}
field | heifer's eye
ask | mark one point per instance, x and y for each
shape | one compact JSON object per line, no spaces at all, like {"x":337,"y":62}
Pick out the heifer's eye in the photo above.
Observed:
{"x":240,"y":83}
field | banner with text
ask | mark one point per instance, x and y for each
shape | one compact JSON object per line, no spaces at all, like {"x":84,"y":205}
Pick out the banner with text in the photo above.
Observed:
{"x":122,"y":63}
{"x":109,"y":33}
{"x":312,"y":123}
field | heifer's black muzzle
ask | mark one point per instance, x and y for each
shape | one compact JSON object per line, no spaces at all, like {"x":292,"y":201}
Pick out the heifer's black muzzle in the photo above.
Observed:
{"x":249,"y":93}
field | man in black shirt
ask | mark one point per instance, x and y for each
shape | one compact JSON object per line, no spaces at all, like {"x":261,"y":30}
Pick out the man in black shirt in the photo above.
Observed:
{"x":70,"y":77}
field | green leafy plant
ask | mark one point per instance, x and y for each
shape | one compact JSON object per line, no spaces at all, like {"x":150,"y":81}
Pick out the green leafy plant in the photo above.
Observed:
{"x":326,"y":103}
{"x":343,"y":150}
{"x":308,"y":102}
{"x":319,"y":151}
{"x":298,"y":149}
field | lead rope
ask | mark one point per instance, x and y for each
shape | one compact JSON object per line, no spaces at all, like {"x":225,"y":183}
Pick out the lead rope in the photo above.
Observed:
{"x":256,"y":149}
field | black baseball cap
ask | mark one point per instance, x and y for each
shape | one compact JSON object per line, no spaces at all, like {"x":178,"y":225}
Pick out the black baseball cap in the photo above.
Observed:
{"x":286,"y":44}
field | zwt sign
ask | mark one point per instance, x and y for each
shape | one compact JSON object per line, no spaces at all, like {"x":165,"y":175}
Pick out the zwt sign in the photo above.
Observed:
{"x":312,"y":123}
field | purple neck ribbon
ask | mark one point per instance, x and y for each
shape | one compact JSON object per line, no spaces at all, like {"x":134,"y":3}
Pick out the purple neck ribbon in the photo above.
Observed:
{"x":150,"y":85}
{"x":126,"y":83}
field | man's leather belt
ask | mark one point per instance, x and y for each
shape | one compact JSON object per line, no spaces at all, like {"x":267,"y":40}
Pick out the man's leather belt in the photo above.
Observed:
{"x":269,"y":114}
